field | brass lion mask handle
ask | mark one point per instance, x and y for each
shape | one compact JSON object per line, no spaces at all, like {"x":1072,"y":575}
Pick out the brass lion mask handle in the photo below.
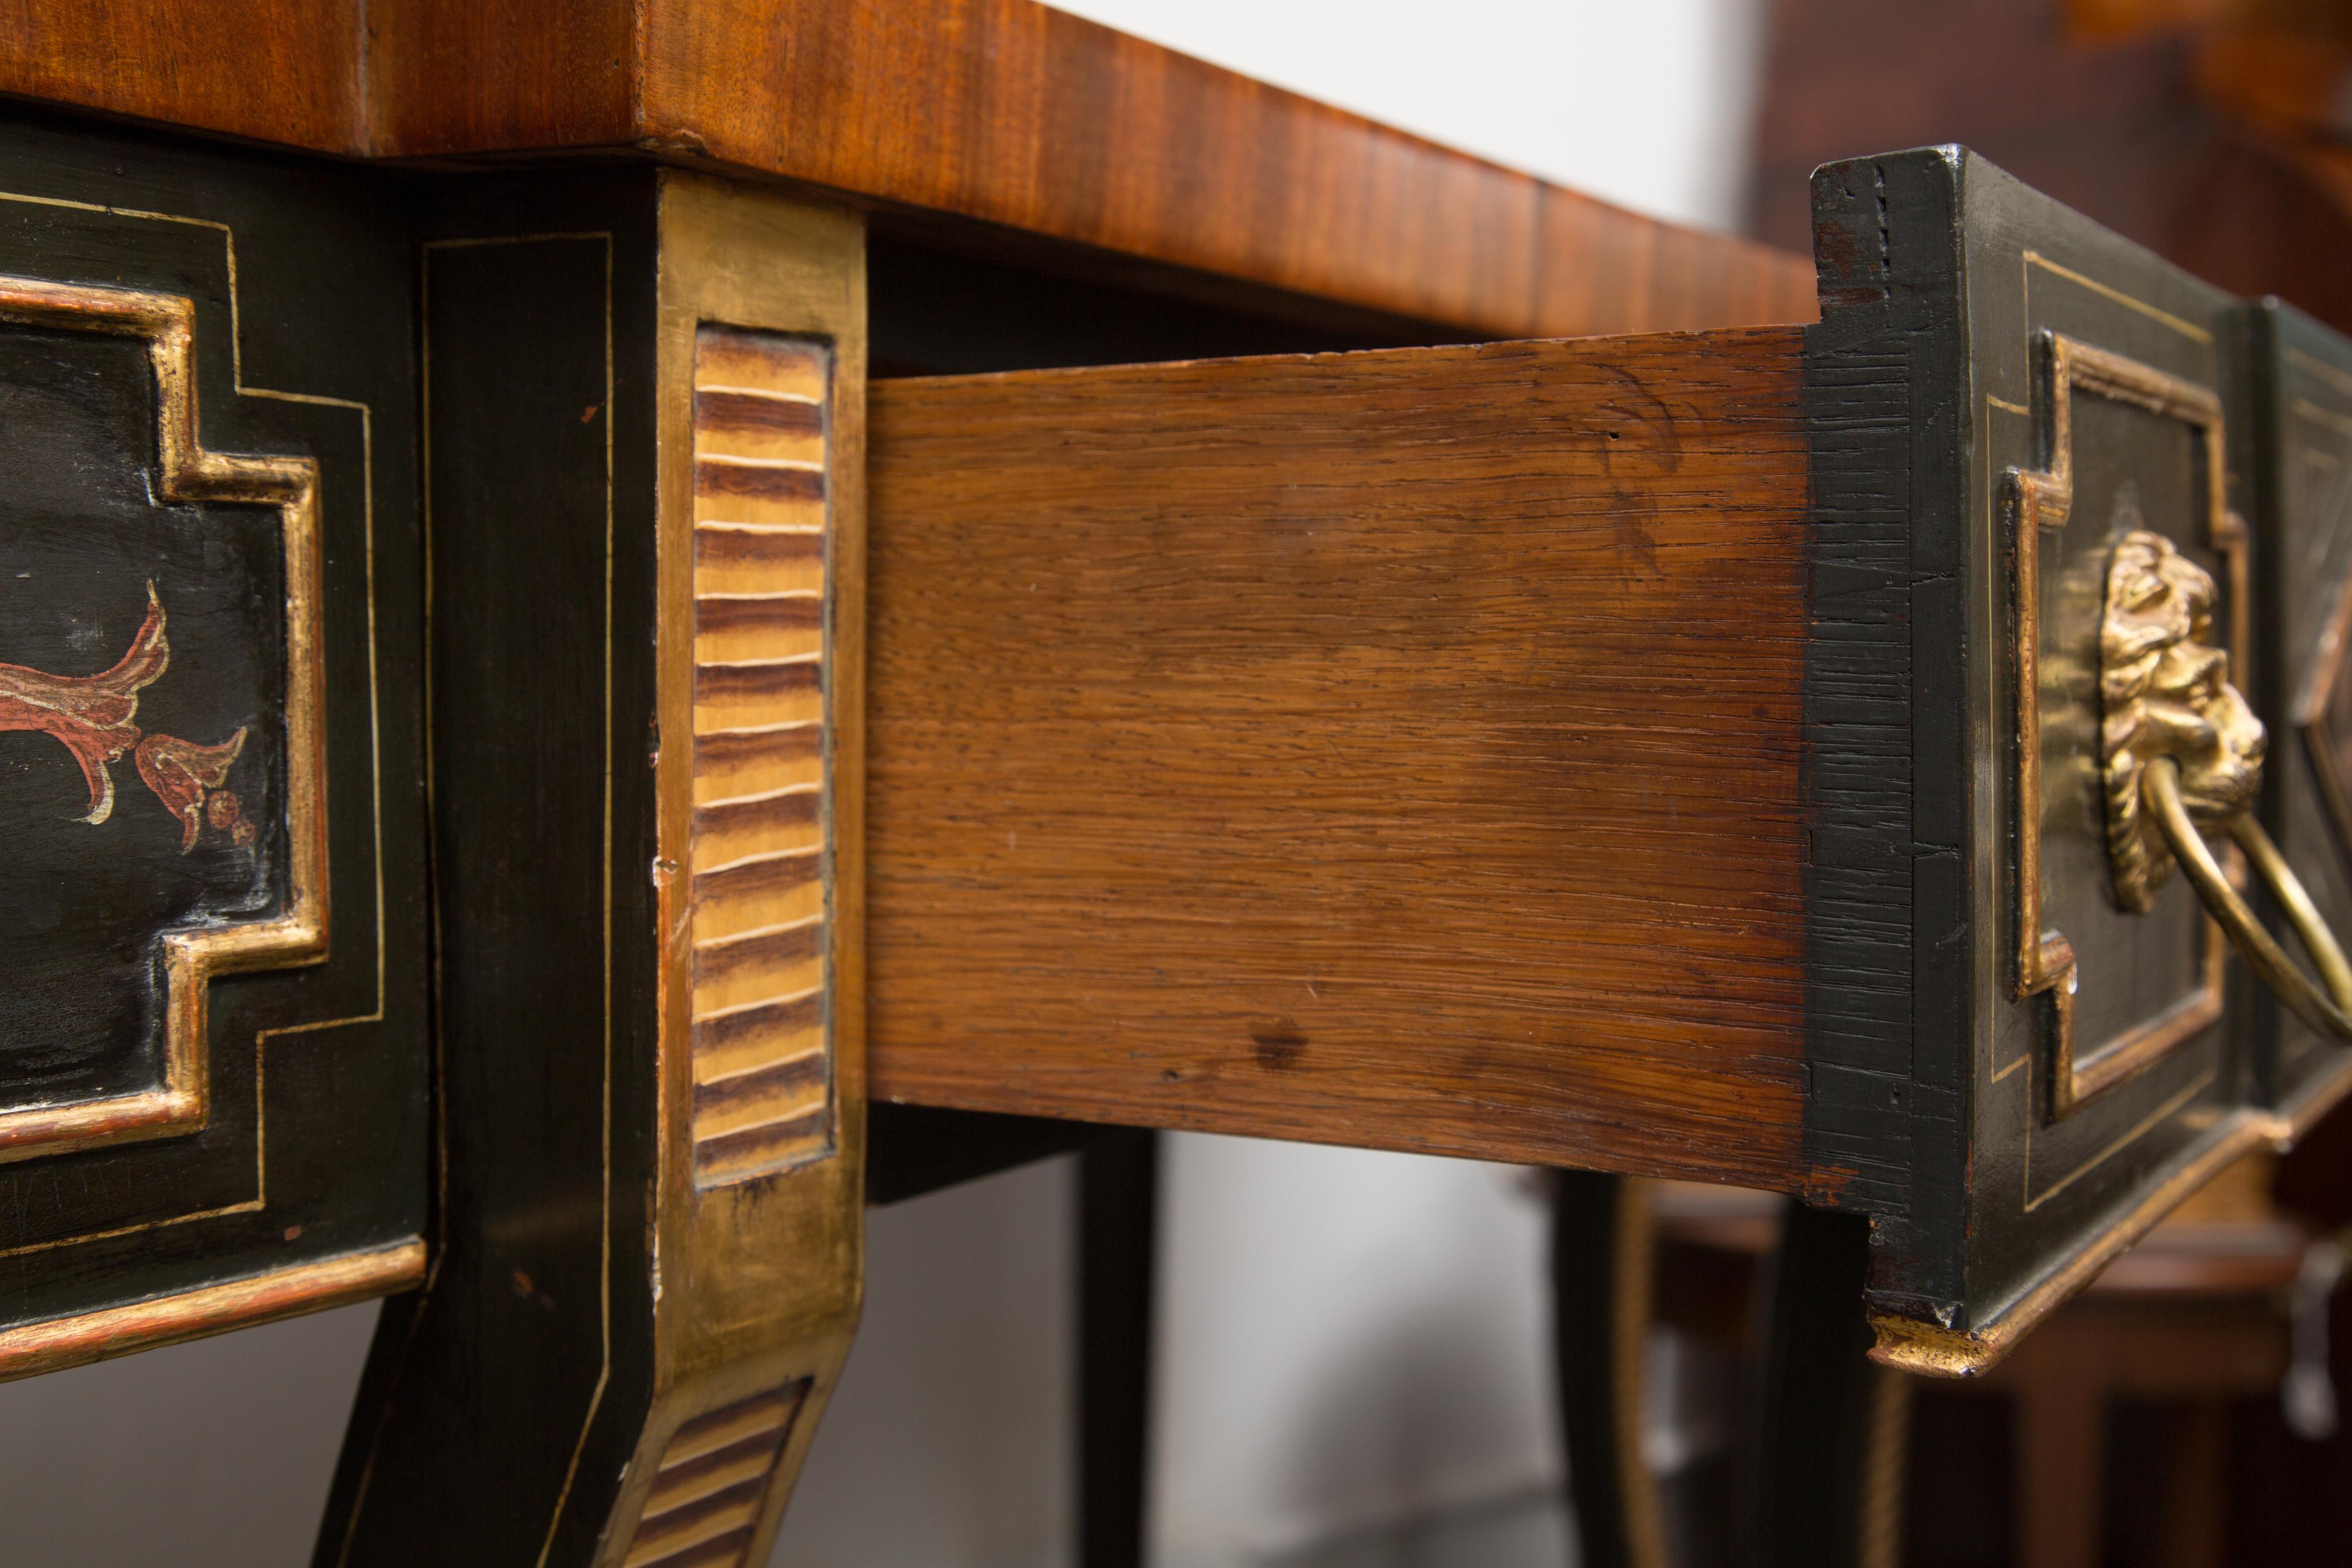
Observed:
{"x":2181,"y":758}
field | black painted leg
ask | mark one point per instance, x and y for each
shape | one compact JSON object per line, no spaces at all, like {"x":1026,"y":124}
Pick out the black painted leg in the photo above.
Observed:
{"x":1824,"y":1467}
{"x":1118,"y":1199}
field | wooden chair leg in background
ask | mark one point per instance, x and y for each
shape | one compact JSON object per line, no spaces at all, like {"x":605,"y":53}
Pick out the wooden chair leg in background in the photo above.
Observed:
{"x":2060,"y":1414}
{"x":2197,"y":1502}
{"x":1602,"y":1282}
{"x":2187,"y":1321}
{"x":1823,"y":1434}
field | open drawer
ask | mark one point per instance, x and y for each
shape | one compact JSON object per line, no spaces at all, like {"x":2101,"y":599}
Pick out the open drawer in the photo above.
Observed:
{"x":1762,"y":756}
{"x":1758,"y":755}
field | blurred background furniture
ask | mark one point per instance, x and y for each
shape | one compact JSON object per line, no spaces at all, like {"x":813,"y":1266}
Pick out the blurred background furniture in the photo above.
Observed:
{"x":2116,"y":1434}
{"x":2216,"y":132}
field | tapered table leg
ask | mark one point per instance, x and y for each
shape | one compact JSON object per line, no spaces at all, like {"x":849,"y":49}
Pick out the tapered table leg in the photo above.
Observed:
{"x":643,"y":397}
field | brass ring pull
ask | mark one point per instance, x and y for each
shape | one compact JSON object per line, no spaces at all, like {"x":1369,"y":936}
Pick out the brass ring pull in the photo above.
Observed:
{"x":2161,"y":789}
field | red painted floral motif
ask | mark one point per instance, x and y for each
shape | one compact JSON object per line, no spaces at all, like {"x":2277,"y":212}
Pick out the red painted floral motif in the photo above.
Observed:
{"x":90,"y":717}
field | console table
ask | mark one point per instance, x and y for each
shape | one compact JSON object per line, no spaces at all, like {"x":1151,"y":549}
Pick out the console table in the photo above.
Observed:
{"x":589,"y":589}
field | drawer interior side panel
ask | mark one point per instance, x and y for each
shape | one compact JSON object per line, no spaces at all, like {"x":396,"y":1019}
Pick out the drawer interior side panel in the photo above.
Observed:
{"x":1397,"y":747}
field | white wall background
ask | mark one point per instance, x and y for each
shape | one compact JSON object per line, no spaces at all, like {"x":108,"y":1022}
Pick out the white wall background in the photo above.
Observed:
{"x":1347,"y":1339}
{"x":211,"y":1455}
{"x":952,"y":1442}
{"x":1645,"y":102}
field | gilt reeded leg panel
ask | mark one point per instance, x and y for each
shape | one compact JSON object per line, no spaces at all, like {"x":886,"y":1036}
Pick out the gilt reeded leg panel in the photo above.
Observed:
{"x":643,"y":398}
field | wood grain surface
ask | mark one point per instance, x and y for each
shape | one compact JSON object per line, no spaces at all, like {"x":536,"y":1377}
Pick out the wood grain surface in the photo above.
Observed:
{"x":1396,"y":748}
{"x":1000,"y":111}
{"x":1028,"y":117}
{"x":274,"y":70}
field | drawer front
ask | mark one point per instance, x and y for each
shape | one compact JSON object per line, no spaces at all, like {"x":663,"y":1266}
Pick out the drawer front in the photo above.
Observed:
{"x":2299,"y":454}
{"x":212,"y":1065}
{"x":2026,"y":1036}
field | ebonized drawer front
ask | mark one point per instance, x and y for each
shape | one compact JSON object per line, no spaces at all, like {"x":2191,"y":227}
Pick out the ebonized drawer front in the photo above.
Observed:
{"x":2013,"y":1071}
{"x":1723,"y":755}
{"x":2297,"y":453}
{"x":212,"y":1065}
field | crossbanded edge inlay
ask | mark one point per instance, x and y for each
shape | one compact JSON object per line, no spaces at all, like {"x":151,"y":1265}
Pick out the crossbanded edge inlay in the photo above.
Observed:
{"x":762,"y":1065}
